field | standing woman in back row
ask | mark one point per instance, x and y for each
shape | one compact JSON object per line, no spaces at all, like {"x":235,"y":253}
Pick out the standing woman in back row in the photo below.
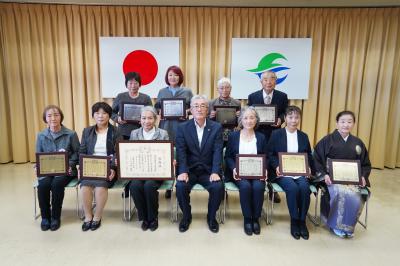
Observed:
{"x":342,"y":205}
{"x":174,"y":79}
{"x":133,"y":82}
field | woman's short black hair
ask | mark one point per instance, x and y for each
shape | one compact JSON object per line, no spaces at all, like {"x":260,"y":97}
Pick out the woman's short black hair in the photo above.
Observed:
{"x":102,"y":105}
{"x":345,"y":112}
{"x":292,"y":109}
{"x":132,"y":75}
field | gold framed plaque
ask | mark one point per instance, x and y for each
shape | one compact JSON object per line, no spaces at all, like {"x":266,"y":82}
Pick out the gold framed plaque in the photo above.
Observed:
{"x":143,"y":159}
{"x":226,"y":115}
{"x":250,"y":166}
{"x":130,"y":112}
{"x":294,"y":164}
{"x":347,"y":172}
{"x":51,"y":163}
{"x":268,"y":113}
{"x":173,"y":108}
{"x":94,"y":167}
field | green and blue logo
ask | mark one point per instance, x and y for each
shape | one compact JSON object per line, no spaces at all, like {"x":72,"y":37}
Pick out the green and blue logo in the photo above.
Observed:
{"x":268,"y":63}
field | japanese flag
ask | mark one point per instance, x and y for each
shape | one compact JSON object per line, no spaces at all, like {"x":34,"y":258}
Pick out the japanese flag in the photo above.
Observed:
{"x":150,"y":57}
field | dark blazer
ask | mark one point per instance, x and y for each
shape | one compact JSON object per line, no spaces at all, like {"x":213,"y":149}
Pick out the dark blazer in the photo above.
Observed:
{"x":89,"y":138}
{"x":193,"y":158}
{"x":279,"y":99}
{"x":232,"y":148}
{"x":278,"y":143}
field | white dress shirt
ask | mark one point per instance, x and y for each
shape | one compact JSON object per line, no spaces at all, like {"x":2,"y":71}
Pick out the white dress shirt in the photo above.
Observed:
{"x":292,"y":144}
{"x":149,"y":135}
{"x":200,"y":130}
{"x":101,"y":144}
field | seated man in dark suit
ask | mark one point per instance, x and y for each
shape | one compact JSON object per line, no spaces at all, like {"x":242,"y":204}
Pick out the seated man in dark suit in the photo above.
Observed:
{"x":199,"y":155}
{"x":268,"y":95}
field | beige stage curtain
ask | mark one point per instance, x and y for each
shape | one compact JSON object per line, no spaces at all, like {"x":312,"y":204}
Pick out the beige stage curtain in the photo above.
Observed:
{"x":49,"y":55}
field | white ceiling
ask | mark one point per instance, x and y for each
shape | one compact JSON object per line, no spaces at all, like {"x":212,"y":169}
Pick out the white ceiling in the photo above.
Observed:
{"x":228,"y":3}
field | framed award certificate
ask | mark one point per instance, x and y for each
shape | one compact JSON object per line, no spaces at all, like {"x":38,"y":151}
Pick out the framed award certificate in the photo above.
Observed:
{"x":173,"y":108}
{"x":94,"y":167}
{"x":130,"y":112}
{"x":142,"y":159}
{"x":51,"y":163}
{"x":250,"y":166}
{"x":226,"y":115}
{"x":294,"y":164}
{"x":347,"y":172}
{"x":268,"y":113}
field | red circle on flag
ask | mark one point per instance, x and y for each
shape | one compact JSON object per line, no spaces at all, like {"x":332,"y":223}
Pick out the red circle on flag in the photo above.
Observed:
{"x":142,"y":62}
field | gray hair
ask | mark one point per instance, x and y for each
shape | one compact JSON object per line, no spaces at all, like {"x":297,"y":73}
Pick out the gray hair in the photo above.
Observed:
{"x":245,"y":110}
{"x":222,"y":81}
{"x":198,"y":97}
{"x":267,"y":72}
{"x":149,"y":109}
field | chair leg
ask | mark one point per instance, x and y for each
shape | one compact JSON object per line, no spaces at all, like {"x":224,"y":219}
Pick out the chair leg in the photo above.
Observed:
{"x":77,"y":201}
{"x":225,"y":203}
{"x":171,"y":205}
{"x":364,"y":224}
{"x":35,"y":214}
{"x":314,"y":218}
{"x":271,"y":205}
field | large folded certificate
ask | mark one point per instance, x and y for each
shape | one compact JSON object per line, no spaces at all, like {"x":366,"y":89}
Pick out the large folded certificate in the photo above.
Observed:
{"x":347,"y":172}
{"x":293,"y":164}
{"x":51,"y":163}
{"x":173,"y":108}
{"x":140,"y":159}
{"x":268,"y":113}
{"x":250,"y":166}
{"x":94,"y":167}
{"x":130,"y":112}
{"x":226,"y":115}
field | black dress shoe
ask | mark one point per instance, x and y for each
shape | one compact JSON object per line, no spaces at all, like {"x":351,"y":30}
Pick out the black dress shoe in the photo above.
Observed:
{"x":55,"y":224}
{"x":145,"y":225}
{"x":45,"y":225}
{"x":248,"y":229}
{"x":213,"y":225}
{"x":95,"y":225}
{"x":153,"y":225}
{"x":294,"y":229}
{"x":168,"y":194}
{"x":256,"y":227}
{"x":86,"y":226}
{"x":304,"y":231}
{"x":184,"y":225}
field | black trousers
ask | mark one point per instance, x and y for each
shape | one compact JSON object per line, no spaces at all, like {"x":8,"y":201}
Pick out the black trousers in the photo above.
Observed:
{"x":251,"y":193}
{"x":145,"y":196}
{"x":297,"y":196}
{"x":215,"y":190}
{"x":55,"y":186}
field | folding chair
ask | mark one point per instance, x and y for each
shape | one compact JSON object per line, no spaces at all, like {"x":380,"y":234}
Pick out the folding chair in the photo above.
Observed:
{"x":277,"y":188}
{"x":197,"y":187}
{"x":72,"y":184}
{"x":231,"y":186}
{"x":128,"y":214}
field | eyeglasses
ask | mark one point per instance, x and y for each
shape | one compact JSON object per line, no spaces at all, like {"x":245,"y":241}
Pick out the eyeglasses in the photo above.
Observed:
{"x":201,"y":106}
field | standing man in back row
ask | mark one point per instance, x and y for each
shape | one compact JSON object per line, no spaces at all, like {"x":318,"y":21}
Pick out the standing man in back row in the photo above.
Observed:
{"x":268,"y":95}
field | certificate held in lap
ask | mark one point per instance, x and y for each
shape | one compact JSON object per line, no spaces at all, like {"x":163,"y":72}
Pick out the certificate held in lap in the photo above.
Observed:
{"x":250,"y":166}
{"x":52,"y":163}
{"x":141,"y":159}
{"x":346,"y":172}
{"x":294,"y":164}
{"x":94,"y":167}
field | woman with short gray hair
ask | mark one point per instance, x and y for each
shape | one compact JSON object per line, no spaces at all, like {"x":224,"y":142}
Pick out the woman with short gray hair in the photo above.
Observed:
{"x":251,"y":191}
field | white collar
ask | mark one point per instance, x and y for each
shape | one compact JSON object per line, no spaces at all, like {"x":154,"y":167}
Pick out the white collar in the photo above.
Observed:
{"x":198,"y":126}
{"x":270,"y":95}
